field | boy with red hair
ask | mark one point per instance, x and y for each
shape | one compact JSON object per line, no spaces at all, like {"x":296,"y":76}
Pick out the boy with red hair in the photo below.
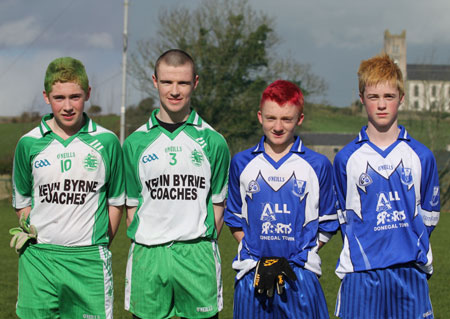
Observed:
{"x":280,"y":209}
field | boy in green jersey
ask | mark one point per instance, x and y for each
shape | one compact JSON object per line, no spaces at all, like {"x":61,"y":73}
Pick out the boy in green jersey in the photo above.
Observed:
{"x":176,"y":168}
{"x":68,"y":185}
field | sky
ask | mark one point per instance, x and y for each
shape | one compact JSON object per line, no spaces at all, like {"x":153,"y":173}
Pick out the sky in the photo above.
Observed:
{"x":332,"y":36}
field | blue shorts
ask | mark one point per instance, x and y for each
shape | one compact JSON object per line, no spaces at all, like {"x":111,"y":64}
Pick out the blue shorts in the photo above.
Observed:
{"x":302,"y":298}
{"x":397,"y":292}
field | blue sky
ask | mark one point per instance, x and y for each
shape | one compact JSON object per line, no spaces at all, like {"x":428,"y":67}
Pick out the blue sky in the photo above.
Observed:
{"x":332,"y":36}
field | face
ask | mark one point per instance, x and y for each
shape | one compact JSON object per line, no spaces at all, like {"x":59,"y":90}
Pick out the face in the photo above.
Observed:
{"x":278,"y":124}
{"x":382,"y":102}
{"x":67,"y":103}
{"x":175,"y":86}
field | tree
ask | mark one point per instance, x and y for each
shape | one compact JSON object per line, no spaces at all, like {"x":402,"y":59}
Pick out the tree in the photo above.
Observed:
{"x":233,"y":47}
{"x":94,"y":110}
{"x":136,"y":115}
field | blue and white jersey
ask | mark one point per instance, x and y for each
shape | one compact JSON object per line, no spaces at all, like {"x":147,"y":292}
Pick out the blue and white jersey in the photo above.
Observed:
{"x":388,"y":203}
{"x":281,"y":206}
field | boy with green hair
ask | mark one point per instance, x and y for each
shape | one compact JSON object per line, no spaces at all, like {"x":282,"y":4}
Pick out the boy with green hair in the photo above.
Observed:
{"x":68,"y":193}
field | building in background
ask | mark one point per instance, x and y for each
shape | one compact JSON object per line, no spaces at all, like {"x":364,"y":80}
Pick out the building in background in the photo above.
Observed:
{"x":427,"y":86}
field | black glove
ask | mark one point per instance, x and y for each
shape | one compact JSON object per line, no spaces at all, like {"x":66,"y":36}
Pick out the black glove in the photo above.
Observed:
{"x":271,"y":270}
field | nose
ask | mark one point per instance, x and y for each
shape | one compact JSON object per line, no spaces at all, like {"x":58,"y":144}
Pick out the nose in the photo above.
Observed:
{"x":67,"y":105}
{"x":278,"y":126}
{"x":174,"y":90}
{"x":382,"y":104}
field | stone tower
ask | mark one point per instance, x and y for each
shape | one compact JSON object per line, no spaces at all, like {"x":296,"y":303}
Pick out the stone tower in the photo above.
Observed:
{"x":395,"y":47}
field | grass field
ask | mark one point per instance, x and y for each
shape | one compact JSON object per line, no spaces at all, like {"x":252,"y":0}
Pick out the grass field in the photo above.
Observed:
{"x":439,"y":283}
{"x":318,"y":118}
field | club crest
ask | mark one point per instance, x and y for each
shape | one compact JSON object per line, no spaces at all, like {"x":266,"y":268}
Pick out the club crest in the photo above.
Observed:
{"x":365,"y":180}
{"x":253,"y":187}
{"x":435,"y":199}
{"x":299,"y":187}
{"x":406,"y":176}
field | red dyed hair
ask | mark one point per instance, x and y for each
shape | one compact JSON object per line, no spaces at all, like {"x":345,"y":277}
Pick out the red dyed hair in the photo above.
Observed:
{"x":283,"y":92}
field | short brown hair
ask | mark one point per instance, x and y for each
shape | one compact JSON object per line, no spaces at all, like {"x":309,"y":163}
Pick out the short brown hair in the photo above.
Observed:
{"x":175,"y":57}
{"x":380,"y":69}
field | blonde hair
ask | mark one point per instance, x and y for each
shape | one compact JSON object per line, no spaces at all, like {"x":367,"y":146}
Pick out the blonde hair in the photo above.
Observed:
{"x":380,"y":69}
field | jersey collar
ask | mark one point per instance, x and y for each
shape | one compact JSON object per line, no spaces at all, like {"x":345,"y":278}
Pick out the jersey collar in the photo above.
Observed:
{"x":193,"y":119}
{"x":88,"y":127}
{"x":403,"y":135}
{"x":297,"y":147}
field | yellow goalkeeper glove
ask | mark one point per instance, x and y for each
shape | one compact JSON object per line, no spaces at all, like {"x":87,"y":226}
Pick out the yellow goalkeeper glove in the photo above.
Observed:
{"x":21,"y":235}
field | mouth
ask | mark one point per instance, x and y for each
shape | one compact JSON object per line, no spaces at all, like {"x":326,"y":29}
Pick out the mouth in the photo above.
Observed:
{"x":278,"y":134}
{"x":175,"y":101}
{"x":68,"y":116}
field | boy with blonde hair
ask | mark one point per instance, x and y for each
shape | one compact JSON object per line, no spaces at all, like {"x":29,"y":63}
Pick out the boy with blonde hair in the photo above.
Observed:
{"x":388,"y":196}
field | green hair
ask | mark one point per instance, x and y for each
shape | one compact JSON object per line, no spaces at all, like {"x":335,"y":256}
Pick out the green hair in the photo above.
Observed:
{"x":64,"y":70}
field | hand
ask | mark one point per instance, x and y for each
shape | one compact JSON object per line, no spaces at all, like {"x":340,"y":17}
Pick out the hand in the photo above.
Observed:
{"x":271,"y":270}
{"x":21,"y":235}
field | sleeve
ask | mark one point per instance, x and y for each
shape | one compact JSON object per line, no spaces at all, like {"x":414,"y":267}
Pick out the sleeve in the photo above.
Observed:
{"x":133,"y":185}
{"x":233,"y":211}
{"x":116,"y":184}
{"x":328,"y":222}
{"x":430,"y":203}
{"x":220,"y":162}
{"x":340,"y":187}
{"x":22,"y":175}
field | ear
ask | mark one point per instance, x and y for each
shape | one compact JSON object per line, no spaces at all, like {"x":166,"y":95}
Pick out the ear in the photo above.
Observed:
{"x":402,"y":99}
{"x":300,"y":119}
{"x":46,"y":97}
{"x":361,"y":98}
{"x":88,"y":94}
{"x":155,"y":81}
{"x":260,"y":117}
{"x":196,"y":81}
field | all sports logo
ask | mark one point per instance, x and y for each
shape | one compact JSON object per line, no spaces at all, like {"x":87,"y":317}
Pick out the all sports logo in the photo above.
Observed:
{"x":388,"y":217}
{"x":271,"y":230}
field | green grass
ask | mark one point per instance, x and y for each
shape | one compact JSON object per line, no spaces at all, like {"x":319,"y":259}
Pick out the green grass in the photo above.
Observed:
{"x":439,"y":287}
{"x":318,"y":118}
{"x":429,"y":130}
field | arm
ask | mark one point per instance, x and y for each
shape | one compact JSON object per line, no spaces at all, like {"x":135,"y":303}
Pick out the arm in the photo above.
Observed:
{"x":321,"y":244}
{"x":218,"y":216}
{"x":237,"y":233}
{"x":130,"y":214}
{"x":115,"y":216}
{"x":25,"y":210}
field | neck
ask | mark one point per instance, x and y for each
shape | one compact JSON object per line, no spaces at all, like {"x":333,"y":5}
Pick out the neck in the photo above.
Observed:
{"x":383,"y":137}
{"x":173,"y":118}
{"x":276,"y":152}
{"x":61,"y":131}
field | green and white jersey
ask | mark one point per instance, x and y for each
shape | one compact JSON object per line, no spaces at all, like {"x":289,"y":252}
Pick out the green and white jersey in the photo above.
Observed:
{"x":173,"y":179}
{"x":69,"y":183}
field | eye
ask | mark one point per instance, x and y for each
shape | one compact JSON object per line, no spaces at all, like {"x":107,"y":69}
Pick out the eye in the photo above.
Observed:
{"x":390,"y":97}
